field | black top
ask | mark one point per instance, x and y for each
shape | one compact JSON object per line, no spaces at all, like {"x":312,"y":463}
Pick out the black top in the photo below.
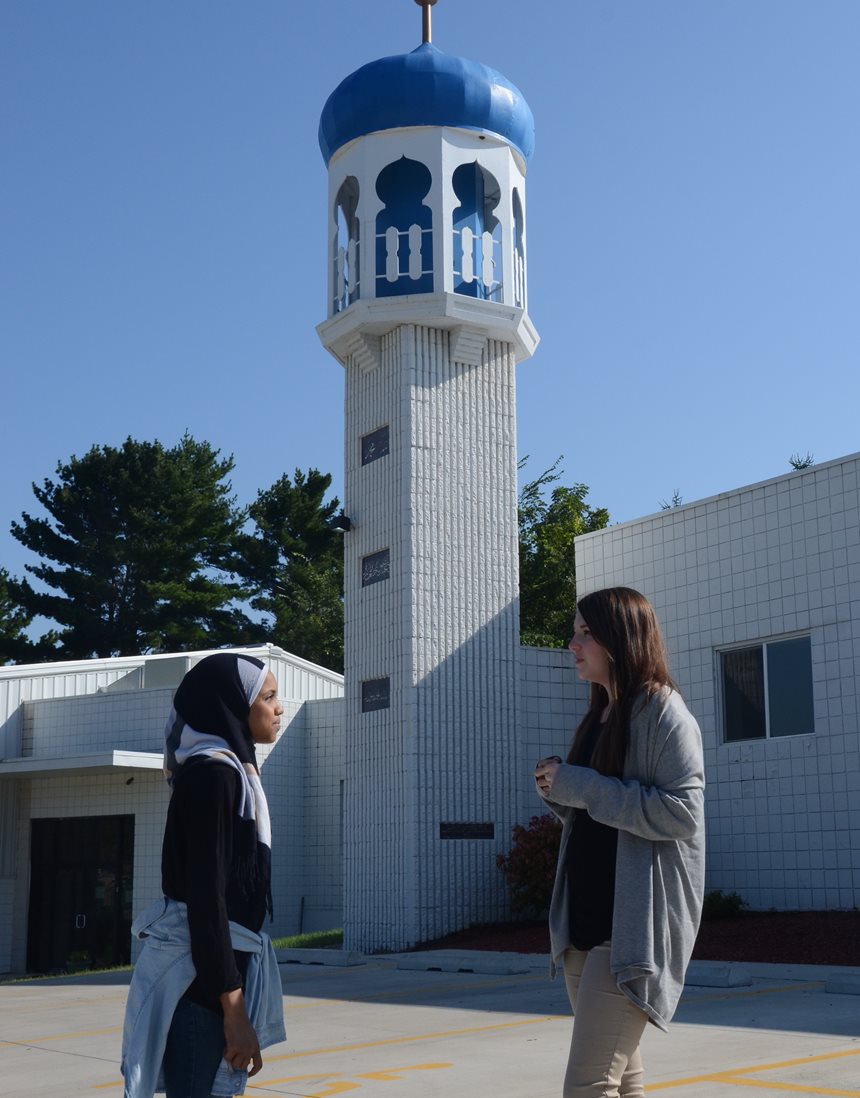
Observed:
{"x":200,"y":867}
{"x":590,"y":869}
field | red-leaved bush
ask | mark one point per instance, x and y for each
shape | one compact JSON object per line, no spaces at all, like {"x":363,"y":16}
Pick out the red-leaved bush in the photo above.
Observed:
{"x":529,"y":868}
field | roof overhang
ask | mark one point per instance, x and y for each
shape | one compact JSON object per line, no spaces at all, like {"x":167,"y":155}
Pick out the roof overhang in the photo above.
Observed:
{"x":100,"y":762}
{"x":357,"y":330}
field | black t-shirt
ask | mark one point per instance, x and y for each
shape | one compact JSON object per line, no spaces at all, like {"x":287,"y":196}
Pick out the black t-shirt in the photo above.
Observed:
{"x":199,"y":868}
{"x":590,"y":870}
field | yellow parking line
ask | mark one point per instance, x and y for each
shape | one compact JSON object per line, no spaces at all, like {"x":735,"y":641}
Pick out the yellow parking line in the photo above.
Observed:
{"x":734,"y":1074}
{"x":740,"y":1081}
{"x":59,"y":1037}
{"x":383,"y":1042}
{"x":390,"y":1075}
{"x":803,"y":1060}
{"x":413,"y":1037}
{"x":398,"y":993}
{"x":341,"y":1085}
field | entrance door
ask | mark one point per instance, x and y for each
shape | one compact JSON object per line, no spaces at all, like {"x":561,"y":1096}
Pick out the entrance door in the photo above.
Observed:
{"x":81,"y":871}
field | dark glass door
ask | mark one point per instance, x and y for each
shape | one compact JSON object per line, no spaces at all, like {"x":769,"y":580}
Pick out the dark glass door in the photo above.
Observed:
{"x":81,"y":871}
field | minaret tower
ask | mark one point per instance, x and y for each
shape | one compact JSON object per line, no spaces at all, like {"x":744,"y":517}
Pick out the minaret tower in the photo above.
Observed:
{"x":427,"y":312}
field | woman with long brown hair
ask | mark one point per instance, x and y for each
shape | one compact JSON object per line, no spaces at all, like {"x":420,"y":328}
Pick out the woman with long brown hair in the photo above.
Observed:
{"x":628,"y":892}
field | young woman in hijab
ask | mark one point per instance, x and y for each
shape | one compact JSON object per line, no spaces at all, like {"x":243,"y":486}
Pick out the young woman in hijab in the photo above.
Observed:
{"x":628,"y":892}
{"x":182,"y":1020}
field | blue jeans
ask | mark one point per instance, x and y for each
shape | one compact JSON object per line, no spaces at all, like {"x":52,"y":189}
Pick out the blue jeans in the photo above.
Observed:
{"x":195,"y":1045}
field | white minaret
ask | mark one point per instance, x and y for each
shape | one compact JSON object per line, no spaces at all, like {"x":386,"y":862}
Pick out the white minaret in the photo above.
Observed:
{"x":427,"y":313}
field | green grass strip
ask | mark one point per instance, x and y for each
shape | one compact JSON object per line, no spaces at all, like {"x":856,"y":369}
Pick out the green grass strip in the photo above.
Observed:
{"x":320,"y":939}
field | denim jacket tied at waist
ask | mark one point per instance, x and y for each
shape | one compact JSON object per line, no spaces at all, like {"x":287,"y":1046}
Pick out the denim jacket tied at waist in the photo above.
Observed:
{"x":162,"y":975}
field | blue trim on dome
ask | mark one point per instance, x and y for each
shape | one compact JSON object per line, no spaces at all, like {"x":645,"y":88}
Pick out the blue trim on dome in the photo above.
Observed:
{"x":425,"y":88}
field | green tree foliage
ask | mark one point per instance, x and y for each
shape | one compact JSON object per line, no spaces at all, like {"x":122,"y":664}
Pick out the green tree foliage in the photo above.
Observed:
{"x":529,"y":866}
{"x":14,"y":645}
{"x":676,"y":501}
{"x":133,"y":551}
{"x":547,"y":567}
{"x":292,"y":563}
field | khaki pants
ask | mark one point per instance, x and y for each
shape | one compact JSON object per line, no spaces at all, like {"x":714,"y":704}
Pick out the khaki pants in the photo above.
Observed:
{"x":607,"y":1027}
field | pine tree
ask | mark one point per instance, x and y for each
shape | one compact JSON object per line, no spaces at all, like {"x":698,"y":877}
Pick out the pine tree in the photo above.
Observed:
{"x":133,"y":551}
{"x":292,"y":563}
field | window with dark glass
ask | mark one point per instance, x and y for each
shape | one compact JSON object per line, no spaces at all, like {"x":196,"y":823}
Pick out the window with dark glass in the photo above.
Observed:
{"x":767,"y":690}
{"x":375,"y":445}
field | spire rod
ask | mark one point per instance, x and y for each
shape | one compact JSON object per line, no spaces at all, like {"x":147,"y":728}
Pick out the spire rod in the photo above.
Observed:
{"x":426,"y":27}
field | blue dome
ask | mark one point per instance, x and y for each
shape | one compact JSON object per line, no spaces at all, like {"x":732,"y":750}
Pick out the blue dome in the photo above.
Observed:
{"x":425,"y":88}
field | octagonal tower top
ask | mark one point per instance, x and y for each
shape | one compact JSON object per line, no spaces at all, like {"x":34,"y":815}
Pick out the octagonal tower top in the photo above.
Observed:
{"x":427,"y":156}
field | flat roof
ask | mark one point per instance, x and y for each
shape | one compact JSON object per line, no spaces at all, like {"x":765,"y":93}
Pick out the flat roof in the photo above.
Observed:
{"x":97,"y":762}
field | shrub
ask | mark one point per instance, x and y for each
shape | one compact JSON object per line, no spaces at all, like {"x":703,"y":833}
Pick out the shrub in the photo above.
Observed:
{"x":722,"y":905}
{"x":529,"y":868}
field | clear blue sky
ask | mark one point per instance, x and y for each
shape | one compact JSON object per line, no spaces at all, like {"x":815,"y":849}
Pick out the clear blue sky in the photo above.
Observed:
{"x":693,"y":231}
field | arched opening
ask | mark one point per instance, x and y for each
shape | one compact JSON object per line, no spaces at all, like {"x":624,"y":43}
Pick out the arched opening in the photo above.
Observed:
{"x":347,"y":246}
{"x":477,"y":234}
{"x":519,"y":252}
{"x":404,"y":230}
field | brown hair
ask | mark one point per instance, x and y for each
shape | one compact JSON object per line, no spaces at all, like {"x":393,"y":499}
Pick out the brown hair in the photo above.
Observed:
{"x":624,"y":623}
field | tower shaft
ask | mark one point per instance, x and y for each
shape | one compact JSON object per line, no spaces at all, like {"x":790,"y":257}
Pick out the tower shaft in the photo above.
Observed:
{"x":428,"y":800}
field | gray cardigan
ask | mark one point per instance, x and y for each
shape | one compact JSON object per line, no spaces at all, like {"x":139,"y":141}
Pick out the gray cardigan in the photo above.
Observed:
{"x":658,"y":808}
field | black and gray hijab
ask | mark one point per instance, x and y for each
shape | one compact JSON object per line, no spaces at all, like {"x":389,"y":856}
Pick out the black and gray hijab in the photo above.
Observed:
{"x":210,"y":718}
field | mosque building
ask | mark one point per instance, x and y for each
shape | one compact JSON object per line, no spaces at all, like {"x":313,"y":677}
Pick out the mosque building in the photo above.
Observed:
{"x":394,"y":787}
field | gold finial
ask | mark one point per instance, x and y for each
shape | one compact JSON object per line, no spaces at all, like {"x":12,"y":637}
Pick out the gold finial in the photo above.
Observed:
{"x":426,"y":29}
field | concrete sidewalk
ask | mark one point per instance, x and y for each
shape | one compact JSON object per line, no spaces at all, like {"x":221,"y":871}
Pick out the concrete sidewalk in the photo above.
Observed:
{"x":462,"y":1024}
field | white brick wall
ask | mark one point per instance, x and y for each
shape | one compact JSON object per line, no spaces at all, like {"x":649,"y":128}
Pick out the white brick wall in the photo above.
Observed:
{"x":552,"y":703}
{"x":444,"y":629}
{"x":775,"y":558}
{"x":281,"y":770}
{"x":132,"y":720}
{"x":71,"y":709}
{"x":97,"y":795}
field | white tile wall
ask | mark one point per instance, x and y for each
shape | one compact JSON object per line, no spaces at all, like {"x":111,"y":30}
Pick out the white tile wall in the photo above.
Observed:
{"x":552,"y":703}
{"x":95,"y":706}
{"x":764,"y":561}
{"x":322,"y":846}
{"x":281,"y":769}
{"x":443,"y":628}
{"x":97,"y":795}
{"x":132,"y":720}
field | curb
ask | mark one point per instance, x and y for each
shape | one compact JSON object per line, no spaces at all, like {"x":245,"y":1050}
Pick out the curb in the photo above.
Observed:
{"x":477,"y":961}
{"x":712,"y":974}
{"x":336,"y":958}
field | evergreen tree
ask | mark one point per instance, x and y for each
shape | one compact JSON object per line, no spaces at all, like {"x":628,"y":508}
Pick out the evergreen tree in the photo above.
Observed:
{"x":292,"y":563}
{"x":133,"y":551}
{"x":547,"y":528}
{"x":15,"y":647}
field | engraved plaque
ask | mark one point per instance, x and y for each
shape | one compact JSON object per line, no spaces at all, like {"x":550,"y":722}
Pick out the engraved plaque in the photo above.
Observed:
{"x":375,"y":694}
{"x":375,"y":567}
{"x":375,"y":445}
{"x":467,"y":829}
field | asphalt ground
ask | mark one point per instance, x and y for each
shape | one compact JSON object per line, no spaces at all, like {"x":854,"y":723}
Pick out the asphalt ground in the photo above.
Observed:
{"x":499,"y":1031}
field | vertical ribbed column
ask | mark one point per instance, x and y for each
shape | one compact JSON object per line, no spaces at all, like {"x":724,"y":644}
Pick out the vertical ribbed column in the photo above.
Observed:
{"x":429,"y":795}
{"x":378,"y":814}
{"x":466,"y":627}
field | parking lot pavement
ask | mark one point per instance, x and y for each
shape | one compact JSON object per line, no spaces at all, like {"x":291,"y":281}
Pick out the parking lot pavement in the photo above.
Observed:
{"x":499,"y":1031}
